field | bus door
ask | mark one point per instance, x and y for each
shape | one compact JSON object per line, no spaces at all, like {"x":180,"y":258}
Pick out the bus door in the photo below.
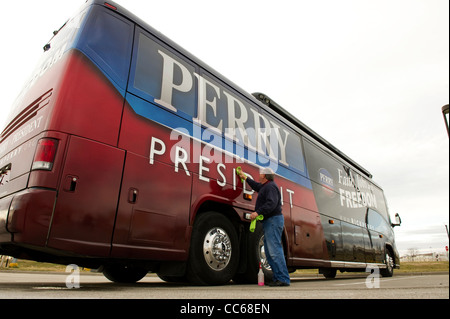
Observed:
{"x":353,"y":242}
{"x":333,"y":237}
{"x":375,"y":232}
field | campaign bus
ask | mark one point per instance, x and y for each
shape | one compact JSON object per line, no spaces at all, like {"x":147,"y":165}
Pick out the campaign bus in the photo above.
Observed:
{"x":120,"y":154}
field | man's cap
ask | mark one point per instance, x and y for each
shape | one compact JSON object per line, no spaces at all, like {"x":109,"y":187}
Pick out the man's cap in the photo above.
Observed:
{"x":266,"y":171}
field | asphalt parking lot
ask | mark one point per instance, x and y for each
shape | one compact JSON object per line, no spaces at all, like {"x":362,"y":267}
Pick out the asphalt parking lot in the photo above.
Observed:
{"x":21,"y":285}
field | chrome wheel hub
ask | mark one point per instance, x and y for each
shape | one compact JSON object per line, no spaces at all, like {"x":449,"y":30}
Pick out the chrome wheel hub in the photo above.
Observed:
{"x":262,"y":254}
{"x":217,"y":249}
{"x":389,"y":262}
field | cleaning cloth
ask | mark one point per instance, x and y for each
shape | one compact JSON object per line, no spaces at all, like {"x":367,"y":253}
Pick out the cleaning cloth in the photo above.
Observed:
{"x":253,"y":223}
{"x":238,"y":172}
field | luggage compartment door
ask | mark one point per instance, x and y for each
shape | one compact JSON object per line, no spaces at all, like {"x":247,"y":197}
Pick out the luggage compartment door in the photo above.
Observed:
{"x":85,"y":211}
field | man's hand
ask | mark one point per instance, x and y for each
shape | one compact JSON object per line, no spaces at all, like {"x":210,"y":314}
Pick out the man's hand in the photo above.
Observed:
{"x":243,"y":176}
{"x":254,"y":215}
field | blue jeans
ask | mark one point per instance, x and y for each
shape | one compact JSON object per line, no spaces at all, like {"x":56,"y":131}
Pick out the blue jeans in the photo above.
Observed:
{"x":273,"y":229}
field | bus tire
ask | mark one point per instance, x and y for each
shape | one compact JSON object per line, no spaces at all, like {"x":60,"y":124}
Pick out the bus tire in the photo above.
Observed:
{"x":389,"y":260}
{"x":124,"y":273}
{"x":255,"y":255}
{"x":214,"y":251}
{"x":329,"y":273}
{"x":175,"y":279}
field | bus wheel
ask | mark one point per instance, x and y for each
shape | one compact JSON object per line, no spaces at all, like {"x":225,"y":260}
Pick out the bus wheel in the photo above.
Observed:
{"x":214,"y":251}
{"x":176,"y":279}
{"x":389,"y":270}
{"x":329,"y":273}
{"x":255,"y":255}
{"x":124,"y":273}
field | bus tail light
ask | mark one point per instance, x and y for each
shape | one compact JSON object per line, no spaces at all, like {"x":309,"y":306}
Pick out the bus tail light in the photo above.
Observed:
{"x":110,"y":6}
{"x":45,"y":154}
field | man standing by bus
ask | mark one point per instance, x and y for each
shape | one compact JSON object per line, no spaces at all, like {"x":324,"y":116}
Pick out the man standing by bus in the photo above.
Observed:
{"x":268,"y":204}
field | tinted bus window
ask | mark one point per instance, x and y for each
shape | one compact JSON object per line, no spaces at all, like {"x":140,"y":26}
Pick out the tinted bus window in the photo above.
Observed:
{"x":377,"y":222}
{"x":152,"y":63}
{"x":212,"y":105}
{"x":288,"y":144}
{"x":224,"y":111}
{"x":107,"y":40}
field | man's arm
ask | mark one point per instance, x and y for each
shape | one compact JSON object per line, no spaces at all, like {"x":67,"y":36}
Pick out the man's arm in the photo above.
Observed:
{"x":254,"y":185}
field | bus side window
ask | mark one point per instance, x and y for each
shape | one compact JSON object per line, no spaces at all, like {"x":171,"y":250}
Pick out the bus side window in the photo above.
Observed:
{"x":289,"y":145}
{"x":152,"y":64}
{"x":294,"y":152}
{"x":377,"y":222}
{"x":109,"y":44}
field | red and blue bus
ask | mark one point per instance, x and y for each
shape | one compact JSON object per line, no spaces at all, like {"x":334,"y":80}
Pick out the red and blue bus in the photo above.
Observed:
{"x":120,"y":154}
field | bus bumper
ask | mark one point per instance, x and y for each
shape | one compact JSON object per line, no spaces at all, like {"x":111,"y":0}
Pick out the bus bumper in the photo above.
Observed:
{"x":25,"y":217}
{"x":5,"y":236}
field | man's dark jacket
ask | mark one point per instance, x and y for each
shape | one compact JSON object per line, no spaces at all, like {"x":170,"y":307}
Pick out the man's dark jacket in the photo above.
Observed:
{"x":268,"y":202}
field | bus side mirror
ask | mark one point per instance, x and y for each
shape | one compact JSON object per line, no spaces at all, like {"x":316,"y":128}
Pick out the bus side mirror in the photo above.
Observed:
{"x":398,"y":221}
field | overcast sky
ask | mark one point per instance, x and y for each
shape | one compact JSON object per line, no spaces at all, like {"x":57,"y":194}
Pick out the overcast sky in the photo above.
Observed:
{"x":369,"y":76}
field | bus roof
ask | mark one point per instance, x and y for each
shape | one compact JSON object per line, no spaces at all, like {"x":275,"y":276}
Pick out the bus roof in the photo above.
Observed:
{"x":259,"y":98}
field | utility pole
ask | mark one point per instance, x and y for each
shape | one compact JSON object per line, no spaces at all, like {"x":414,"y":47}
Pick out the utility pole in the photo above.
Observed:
{"x":445,"y":114}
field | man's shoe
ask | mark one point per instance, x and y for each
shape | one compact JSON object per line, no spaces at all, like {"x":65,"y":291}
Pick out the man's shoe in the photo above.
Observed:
{"x":278,"y":284}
